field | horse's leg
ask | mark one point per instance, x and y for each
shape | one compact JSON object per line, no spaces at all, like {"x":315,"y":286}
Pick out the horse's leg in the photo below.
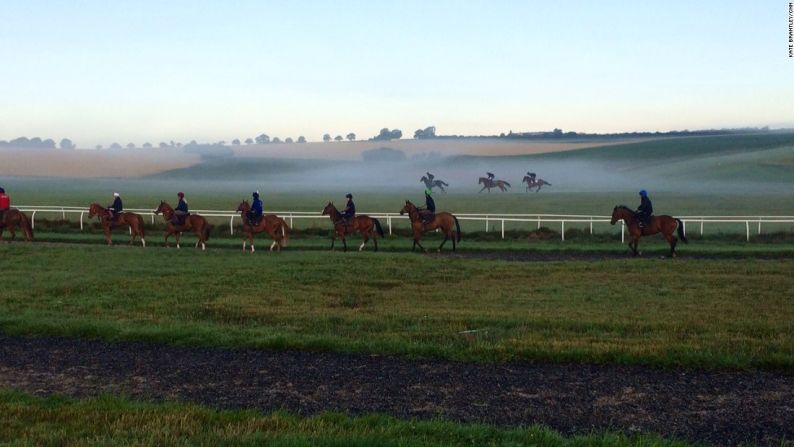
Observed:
{"x":413,"y":247}
{"x":446,"y":237}
{"x":167,"y":234}
{"x":13,"y":232}
{"x":366,"y":238}
{"x":108,"y":238}
{"x":483,"y":189}
{"x":344,"y":243}
{"x":636,"y":246}
{"x":178,"y":237}
{"x":672,"y":240}
{"x":375,"y":241}
{"x":251,"y":241}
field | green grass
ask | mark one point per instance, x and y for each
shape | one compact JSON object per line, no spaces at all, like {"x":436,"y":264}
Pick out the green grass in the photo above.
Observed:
{"x":113,"y":421}
{"x":708,"y":313}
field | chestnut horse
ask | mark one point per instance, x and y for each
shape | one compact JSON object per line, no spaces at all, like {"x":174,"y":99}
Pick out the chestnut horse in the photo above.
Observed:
{"x":194,"y":222}
{"x":534,"y":184}
{"x":274,"y":226}
{"x":445,"y":221}
{"x":134,"y":221}
{"x":13,"y":218}
{"x":658,"y":224}
{"x":369,"y":227}
{"x":488,"y":184}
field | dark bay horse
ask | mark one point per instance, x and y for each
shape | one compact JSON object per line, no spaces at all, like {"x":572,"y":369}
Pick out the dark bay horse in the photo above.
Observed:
{"x":369,"y":227}
{"x":13,"y":218}
{"x":658,"y":224}
{"x":446,"y":222}
{"x":488,"y":184}
{"x":430,"y":184}
{"x":538,"y":183}
{"x":274,"y":226}
{"x":198,"y":224}
{"x":134,"y":221}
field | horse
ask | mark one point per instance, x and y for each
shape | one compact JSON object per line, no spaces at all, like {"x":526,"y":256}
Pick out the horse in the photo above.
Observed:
{"x":536,"y":183}
{"x":274,"y":226}
{"x":194,"y":222}
{"x":369,"y":227}
{"x":658,"y":224}
{"x":430,"y":184}
{"x":13,"y":218}
{"x":488,"y":184}
{"x":443,"y":220}
{"x":134,"y":221}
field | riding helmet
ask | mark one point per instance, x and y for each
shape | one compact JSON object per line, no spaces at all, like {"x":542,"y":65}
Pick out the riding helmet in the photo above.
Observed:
{"x":255,"y":194}
{"x":115,"y":194}
{"x":180,"y":194}
{"x":643,"y":192}
{"x":348,"y":196}
{"x":2,"y":190}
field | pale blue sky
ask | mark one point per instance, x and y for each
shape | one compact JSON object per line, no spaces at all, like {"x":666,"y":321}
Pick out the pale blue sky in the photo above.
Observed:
{"x":104,"y":71}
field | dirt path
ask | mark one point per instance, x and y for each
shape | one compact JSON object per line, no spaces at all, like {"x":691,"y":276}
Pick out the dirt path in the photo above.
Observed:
{"x":719,"y":407}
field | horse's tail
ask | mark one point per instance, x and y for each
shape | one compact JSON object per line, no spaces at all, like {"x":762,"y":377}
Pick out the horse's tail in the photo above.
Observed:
{"x":681,"y":234}
{"x":443,"y":183}
{"x":378,"y":228}
{"x":141,"y":226}
{"x":26,"y":226}
{"x":508,"y":184}
{"x":284,"y":232}
{"x":457,"y":227}
{"x":544,"y":181}
{"x":207,"y":230}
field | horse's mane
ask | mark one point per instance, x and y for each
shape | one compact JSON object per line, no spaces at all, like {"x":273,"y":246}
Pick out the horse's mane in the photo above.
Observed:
{"x":625,"y":208}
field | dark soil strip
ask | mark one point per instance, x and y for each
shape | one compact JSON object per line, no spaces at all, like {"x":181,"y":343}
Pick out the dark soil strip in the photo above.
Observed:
{"x":719,"y":407}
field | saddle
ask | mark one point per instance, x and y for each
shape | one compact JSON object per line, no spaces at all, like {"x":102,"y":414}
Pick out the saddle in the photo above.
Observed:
{"x":179,"y":220}
{"x":427,"y":216}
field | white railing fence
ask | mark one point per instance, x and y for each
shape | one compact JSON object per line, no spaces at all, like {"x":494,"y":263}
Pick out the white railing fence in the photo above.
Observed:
{"x":490,"y":220}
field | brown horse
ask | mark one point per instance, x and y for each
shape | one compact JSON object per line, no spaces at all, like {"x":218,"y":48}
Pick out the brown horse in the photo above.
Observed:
{"x":447,"y":222}
{"x":13,"y":218}
{"x":194,"y":222}
{"x":274,"y":226}
{"x":534,"y":184}
{"x":488,"y":184}
{"x":134,"y":221}
{"x":658,"y":224}
{"x":369,"y":227}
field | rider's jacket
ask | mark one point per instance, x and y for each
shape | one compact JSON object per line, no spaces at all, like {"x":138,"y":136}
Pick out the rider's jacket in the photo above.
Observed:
{"x":646,"y":208}
{"x":181,"y":206}
{"x":256,"y":207}
{"x":430,"y":204}
{"x":350,"y":210}
{"x":117,"y":207}
{"x":5,"y":201}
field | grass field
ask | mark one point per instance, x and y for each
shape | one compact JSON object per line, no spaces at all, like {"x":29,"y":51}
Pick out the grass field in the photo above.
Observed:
{"x":113,"y":421}
{"x":711,"y":313}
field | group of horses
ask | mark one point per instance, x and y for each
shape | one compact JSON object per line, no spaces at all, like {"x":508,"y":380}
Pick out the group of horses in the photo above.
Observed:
{"x":368,"y":227}
{"x":489,"y":183}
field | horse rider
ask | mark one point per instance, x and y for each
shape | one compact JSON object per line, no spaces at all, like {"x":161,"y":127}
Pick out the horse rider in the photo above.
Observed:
{"x":532,"y":176}
{"x":257,"y":209}
{"x":430,"y":177}
{"x":490,"y":175}
{"x":115,"y":208}
{"x":5,"y":204}
{"x":645,"y":210}
{"x":181,"y":211}
{"x":429,"y":211}
{"x":350,"y":209}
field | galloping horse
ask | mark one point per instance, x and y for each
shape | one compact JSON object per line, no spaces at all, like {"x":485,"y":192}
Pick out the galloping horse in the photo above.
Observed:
{"x":532,"y":184}
{"x":369,"y":227}
{"x":194,"y":222}
{"x":658,"y":224}
{"x":447,"y":222}
{"x":13,"y":218}
{"x":488,"y":184}
{"x":434,"y":183}
{"x":274,"y":226}
{"x":134,"y":221}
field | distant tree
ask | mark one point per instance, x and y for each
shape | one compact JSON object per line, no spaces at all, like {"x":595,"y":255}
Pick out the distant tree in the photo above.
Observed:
{"x":163,"y":145}
{"x":236,"y":142}
{"x":301,"y":139}
{"x":172,"y":143}
{"x":222,"y":143}
{"x":386,"y":135}
{"x":288,"y":140}
{"x":338,"y":138}
{"x":327,"y":138}
{"x":276,"y":140}
{"x":262,"y":139}
{"x":557,"y":132}
{"x":66,"y":144}
{"x":131,"y":146}
{"x":428,"y":132}
{"x":115,"y":146}
{"x":502,"y":135}
{"x":49,"y":143}
{"x":192,"y":143}
{"x":249,"y":141}
{"x":98,"y":147}
{"x":147,"y":145}
{"x":351,"y":136}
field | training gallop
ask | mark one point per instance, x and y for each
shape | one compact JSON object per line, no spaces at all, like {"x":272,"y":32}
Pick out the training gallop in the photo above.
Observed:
{"x":446,"y":222}
{"x":369,"y":227}
{"x":666,"y":225}
{"x":12,"y":218}
{"x":430,"y":184}
{"x":534,"y":183}
{"x":274,"y":226}
{"x":192,"y":222}
{"x":491,"y":183}
{"x":123,"y":219}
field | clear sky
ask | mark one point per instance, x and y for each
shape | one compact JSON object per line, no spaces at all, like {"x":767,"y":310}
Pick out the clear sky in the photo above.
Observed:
{"x":135,"y":71}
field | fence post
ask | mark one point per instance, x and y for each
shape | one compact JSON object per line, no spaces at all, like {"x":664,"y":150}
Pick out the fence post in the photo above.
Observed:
{"x":81,"y":220}
{"x":747,"y":225}
{"x":33,"y":220}
{"x":389,"y":219}
{"x":701,"y":227}
{"x":562,"y":222}
{"x":486,"y":223}
{"x":759,"y":226}
{"x":231,"y":226}
{"x":538,"y":222}
{"x":622,"y":232}
{"x":152,"y":219}
{"x":591,"y":225}
{"x":63,"y":214}
{"x":290,"y":220}
{"x":503,"y":228}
